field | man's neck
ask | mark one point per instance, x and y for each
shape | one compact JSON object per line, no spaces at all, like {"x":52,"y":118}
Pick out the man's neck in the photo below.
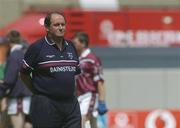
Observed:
{"x":57,"y":40}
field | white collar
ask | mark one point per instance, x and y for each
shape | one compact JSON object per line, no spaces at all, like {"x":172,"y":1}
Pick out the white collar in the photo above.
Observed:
{"x":48,"y":41}
{"x":85,"y":52}
{"x":53,"y":42}
{"x":16,"y":47}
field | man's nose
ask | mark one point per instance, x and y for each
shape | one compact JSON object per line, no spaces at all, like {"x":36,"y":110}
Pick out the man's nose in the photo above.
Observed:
{"x":60,"y":26}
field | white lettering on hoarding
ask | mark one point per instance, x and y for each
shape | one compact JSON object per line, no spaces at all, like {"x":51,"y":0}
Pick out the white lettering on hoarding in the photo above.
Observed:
{"x":122,"y":121}
{"x":164,"y":115}
{"x":138,"y":38}
{"x":106,"y":27}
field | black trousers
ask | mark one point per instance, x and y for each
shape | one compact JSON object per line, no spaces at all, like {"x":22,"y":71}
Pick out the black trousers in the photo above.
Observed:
{"x":49,"y":113}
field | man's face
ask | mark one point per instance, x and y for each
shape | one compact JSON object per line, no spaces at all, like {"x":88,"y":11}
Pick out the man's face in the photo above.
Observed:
{"x":57,"y":27}
{"x":79,"y":46}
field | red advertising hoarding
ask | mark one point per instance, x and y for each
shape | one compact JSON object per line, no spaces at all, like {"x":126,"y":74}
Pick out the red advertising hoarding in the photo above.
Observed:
{"x":123,"y":28}
{"x":158,"y":118}
{"x":128,"y":27}
{"x":137,"y":28}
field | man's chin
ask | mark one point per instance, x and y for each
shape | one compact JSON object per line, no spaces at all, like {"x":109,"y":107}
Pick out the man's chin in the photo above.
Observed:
{"x":60,"y":36}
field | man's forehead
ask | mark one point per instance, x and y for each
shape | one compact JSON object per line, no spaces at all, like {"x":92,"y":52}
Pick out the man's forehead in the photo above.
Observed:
{"x":57,"y":16}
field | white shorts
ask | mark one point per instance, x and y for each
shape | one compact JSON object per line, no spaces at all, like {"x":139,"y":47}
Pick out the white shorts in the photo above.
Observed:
{"x":13,"y":105}
{"x":84,"y":102}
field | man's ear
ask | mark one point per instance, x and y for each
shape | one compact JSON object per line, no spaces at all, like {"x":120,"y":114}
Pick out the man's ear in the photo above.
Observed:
{"x":47,"y":29}
{"x":84,"y":45}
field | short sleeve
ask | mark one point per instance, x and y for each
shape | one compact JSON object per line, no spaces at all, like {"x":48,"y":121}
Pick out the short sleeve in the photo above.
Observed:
{"x":98,"y":71}
{"x":30,"y":59}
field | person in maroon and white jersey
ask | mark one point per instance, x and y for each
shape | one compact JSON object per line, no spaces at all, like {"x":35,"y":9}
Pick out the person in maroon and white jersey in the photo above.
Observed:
{"x":90,"y":83}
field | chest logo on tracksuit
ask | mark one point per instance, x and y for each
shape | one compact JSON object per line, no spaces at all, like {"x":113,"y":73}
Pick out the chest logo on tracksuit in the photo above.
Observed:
{"x":63,"y":69}
{"x":70,"y":55}
{"x":59,"y":65}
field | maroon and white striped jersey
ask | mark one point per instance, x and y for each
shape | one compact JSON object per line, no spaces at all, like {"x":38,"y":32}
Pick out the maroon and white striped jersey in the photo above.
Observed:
{"x":91,"y":73}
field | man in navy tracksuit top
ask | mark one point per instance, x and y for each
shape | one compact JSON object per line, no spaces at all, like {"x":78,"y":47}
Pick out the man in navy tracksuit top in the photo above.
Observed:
{"x":53,"y":62}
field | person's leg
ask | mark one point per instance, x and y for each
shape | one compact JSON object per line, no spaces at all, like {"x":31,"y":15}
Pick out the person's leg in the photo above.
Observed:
{"x":93,"y":121}
{"x":43,"y":114}
{"x":73,"y":115}
{"x":17,"y":120}
{"x":94,"y":114}
{"x":15,"y":113}
{"x":4,"y":104}
{"x":84,"y":102}
{"x":28,"y":123}
{"x":4,"y":118}
{"x":83,"y":121}
{"x":26,"y":102}
{"x":26,"y":108}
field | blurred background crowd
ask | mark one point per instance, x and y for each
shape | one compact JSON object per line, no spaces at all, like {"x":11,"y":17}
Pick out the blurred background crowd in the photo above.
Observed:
{"x":138,"y":42}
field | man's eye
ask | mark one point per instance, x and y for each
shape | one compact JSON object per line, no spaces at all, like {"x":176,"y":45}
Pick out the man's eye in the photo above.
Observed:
{"x":62,"y":24}
{"x":56,"y":24}
{"x":59,"y":24}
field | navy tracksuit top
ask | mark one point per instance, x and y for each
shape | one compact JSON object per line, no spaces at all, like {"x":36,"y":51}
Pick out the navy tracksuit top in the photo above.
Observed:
{"x":53,"y":70}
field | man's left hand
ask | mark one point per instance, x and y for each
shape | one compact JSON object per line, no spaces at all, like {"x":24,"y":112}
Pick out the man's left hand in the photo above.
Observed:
{"x":102,"y":109}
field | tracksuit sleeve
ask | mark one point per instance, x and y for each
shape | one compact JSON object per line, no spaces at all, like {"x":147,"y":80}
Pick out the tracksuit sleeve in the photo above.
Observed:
{"x":29,"y":60}
{"x":11,"y":75}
